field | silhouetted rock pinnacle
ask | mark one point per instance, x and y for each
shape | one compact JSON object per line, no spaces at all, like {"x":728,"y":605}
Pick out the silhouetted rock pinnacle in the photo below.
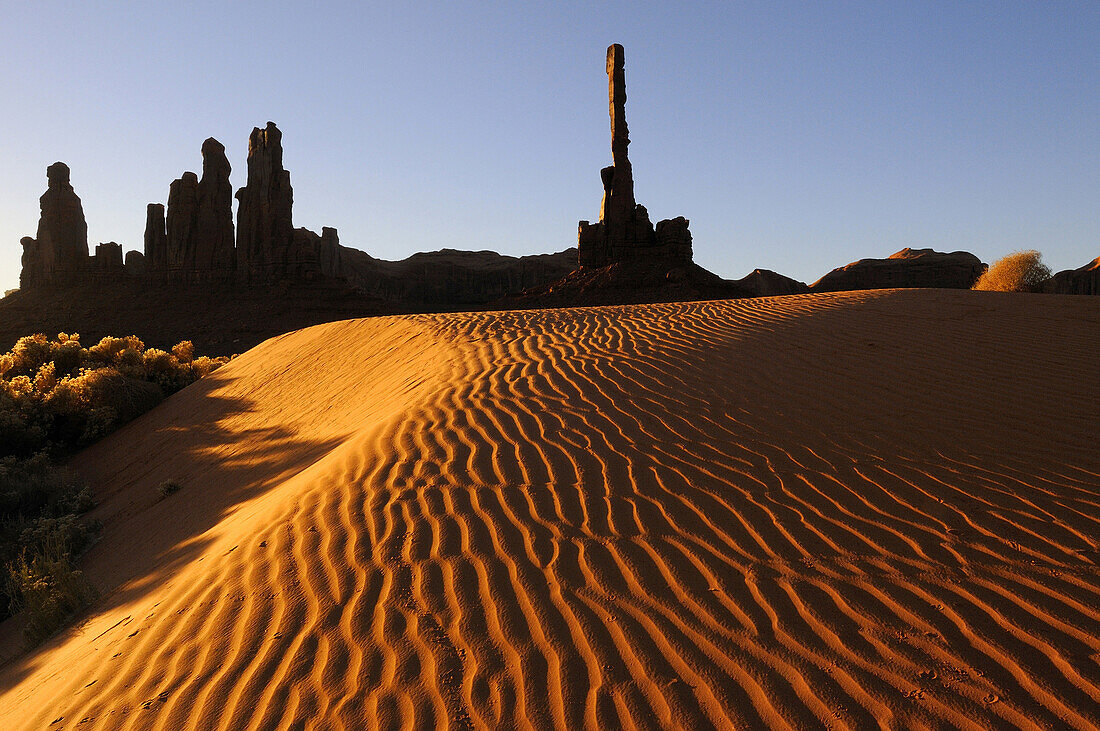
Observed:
{"x":265,"y":229}
{"x":156,"y":240}
{"x":183,"y":203}
{"x":60,"y":250}
{"x":212,"y":241}
{"x":199,"y":243}
{"x":625,"y":232}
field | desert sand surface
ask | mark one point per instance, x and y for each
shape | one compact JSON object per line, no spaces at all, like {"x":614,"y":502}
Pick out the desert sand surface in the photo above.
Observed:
{"x":853,"y":510}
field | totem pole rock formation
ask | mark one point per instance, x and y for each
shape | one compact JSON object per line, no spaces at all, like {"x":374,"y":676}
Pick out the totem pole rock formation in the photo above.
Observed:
{"x":60,"y":250}
{"x":624,"y":231}
{"x":265,"y":231}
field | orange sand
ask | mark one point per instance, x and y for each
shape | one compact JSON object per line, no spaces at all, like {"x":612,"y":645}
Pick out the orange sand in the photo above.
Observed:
{"x":839,"y":510}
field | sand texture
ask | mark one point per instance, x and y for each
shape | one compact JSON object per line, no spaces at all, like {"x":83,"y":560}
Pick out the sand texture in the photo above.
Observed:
{"x":839,"y":510}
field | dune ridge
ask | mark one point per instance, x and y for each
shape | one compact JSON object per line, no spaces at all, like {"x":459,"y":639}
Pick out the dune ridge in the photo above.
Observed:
{"x":850,"y":510}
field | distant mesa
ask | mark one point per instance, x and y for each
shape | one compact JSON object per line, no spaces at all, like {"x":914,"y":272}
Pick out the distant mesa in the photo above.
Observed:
{"x":906,"y":268}
{"x":624,"y":232}
{"x":766,"y":283}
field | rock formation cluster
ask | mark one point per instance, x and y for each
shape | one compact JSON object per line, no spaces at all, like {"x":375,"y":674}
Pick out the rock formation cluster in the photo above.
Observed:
{"x":193,"y":240}
{"x":624,"y":231}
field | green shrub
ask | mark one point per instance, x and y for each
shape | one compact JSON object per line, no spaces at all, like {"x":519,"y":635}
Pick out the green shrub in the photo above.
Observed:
{"x":56,"y":396}
{"x":58,"y":393}
{"x":48,"y":588}
{"x":40,"y":507}
{"x":1022,"y":271}
{"x":168,"y":487}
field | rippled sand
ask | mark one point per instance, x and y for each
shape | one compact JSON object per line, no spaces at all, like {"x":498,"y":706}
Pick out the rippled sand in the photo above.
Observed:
{"x":837,"y":510}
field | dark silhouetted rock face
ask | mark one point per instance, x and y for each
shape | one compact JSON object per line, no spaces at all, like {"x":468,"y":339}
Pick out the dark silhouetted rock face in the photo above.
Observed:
{"x":108,"y":259}
{"x":265,"y":230}
{"x":212,"y":239}
{"x":183,"y":202}
{"x":906,"y":268}
{"x":674,"y":238}
{"x":329,"y":256}
{"x":1084,"y":280}
{"x":135,"y":264}
{"x":319,"y":254}
{"x":60,"y":250}
{"x":449,"y":278}
{"x":624,"y":231}
{"x":199,"y":240}
{"x":766,"y":283}
{"x":30,"y":275}
{"x":156,"y":239}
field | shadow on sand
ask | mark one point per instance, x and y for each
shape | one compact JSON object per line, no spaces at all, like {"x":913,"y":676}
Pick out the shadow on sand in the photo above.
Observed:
{"x":196,"y":439}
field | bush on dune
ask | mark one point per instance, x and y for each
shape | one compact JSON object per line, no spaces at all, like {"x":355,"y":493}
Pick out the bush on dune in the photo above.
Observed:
{"x":1022,"y":271}
{"x":56,"y":396}
{"x":56,"y":392}
{"x":48,"y":588}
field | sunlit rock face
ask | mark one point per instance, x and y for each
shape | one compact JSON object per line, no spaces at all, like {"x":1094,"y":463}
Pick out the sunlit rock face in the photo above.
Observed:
{"x":59,"y":253}
{"x":624,"y":231}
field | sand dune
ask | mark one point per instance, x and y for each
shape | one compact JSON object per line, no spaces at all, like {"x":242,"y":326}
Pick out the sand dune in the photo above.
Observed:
{"x":842,"y":510}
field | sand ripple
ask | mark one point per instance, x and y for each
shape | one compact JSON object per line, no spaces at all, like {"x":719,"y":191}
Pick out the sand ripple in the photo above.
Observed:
{"x":844,"y":510}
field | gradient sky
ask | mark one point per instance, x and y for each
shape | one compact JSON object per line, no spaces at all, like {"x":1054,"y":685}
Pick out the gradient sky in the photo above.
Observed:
{"x":795,"y":136}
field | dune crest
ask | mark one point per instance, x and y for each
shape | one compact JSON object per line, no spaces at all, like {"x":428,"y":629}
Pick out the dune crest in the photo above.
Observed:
{"x":855,"y":509}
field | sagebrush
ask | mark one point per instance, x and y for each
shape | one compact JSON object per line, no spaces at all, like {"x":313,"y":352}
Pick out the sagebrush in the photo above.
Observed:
{"x":1022,"y":271}
{"x":56,"y":396}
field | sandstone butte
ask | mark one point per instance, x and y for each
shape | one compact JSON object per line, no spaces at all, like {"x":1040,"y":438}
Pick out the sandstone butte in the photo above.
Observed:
{"x":852,"y":509}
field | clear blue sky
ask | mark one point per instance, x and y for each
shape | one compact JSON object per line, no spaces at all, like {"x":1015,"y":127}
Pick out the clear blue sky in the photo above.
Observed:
{"x":794,"y":136}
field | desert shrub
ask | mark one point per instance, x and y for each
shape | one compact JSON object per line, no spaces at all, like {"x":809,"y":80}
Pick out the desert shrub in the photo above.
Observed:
{"x":1022,"y":271}
{"x":168,"y":487}
{"x":55,"y":396}
{"x":40,"y":507}
{"x":48,"y":588}
{"x":184,"y":351}
{"x":56,"y":393}
{"x":35,"y":486}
